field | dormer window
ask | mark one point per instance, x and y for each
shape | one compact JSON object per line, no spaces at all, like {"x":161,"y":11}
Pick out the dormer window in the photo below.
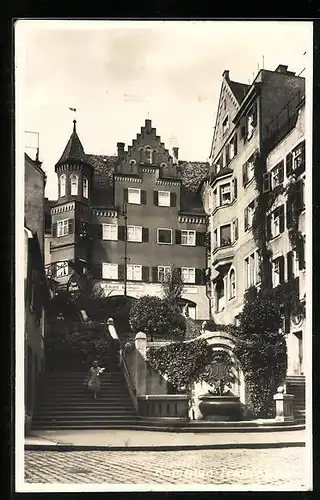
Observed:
{"x":85,"y":188}
{"x":74,"y":184}
{"x":62,"y":183}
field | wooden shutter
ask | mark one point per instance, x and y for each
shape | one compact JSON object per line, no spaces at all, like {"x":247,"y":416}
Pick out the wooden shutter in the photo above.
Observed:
{"x":154,"y":274}
{"x":235,"y":188}
{"x":198,"y":277}
{"x":281,"y":172}
{"x":301,"y":259}
{"x":303,"y":155}
{"x":299,"y":195}
{"x":268,"y":227}
{"x":97,"y":231}
{"x":281,"y":269}
{"x":235,"y":143}
{"x":145,"y":234}
{"x":289,"y":265}
{"x":121,"y":233}
{"x":155,"y":198}
{"x":121,"y":272}
{"x":145,"y":274}
{"x":200,"y":239}
{"x":178,"y":237}
{"x":266,"y":182}
{"x":289,"y":214}
{"x":236,"y":230}
{"x":173,"y":199}
{"x":70,"y":226}
{"x":143,"y":197}
{"x":246,"y":219}
{"x":125,"y":194}
{"x":54,"y":230}
{"x":96,"y":270}
{"x":244,"y":174}
{"x":288,"y":164}
{"x":281,"y":218}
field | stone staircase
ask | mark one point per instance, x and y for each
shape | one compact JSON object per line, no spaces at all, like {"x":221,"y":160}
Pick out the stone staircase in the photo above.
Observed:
{"x":65,"y":403}
{"x":295,"y":384}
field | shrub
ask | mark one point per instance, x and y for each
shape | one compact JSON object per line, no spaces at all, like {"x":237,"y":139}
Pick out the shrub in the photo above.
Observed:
{"x":153,"y":316}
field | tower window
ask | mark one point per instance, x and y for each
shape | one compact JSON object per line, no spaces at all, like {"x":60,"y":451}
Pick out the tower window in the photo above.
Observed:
{"x":148,"y":155}
{"x":62,"y":185}
{"x":74,"y":185}
{"x":85,"y":188}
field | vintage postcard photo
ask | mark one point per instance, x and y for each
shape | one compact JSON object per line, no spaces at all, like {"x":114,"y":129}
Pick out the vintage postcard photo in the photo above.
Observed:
{"x":163,"y":255}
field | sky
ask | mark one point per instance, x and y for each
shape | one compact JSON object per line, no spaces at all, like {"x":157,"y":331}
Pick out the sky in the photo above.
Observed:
{"x":118,"y":73}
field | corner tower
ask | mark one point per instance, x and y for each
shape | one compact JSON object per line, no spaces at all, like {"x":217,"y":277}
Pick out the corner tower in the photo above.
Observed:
{"x":71,"y":213}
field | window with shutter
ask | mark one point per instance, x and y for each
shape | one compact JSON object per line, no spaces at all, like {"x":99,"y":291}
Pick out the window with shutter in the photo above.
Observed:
{"x":244,"y":174}
{"x":155,"y":197}
{"x":290,"y":275}
{"x":110,"y":232}
{"x":235,"y":188}
{"x":134,"y":196}
{"x":145,"y":234}
{"x":188,"y":274}
{"x":289,"y":158}
{"x":145,"y":274}
{"x":134,"y":233}
{"x":134,"y":272}
{"x":266,"y":182}
{"x":143,"y":197}
{"x":188,"y":237}
{"x":173,"y":199}
{"x":225,"y":235}
{"x":109,"y":271}
{"x":161,"y":272}
{"x":164,"y":236}
{"x":63,"y":227}
{"x":246,"y":225}
{"x":225,"y":194}
{"x":235,"y":230}
{"x":164,"y":198}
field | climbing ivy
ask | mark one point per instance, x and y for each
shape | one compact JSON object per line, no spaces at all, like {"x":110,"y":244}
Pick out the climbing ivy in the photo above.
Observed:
{"x":295,"y":235}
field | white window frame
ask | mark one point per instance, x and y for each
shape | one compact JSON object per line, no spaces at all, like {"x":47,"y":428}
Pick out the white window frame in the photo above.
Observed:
{"x":165,"y":201}
{"x":276,"y":272}
{"x":85,"y":187}
{"x":190,"y":235}
{"x":62,"y":227}
{"x":134,"y":272}
{"x":164,"y":269}
{"x":62,"y":269}
{"x":148,"y":159}
{"x":250,"y":212}
{"x":295,"y":156}
{"x":250,"y":169}
{"x":63,"y":184}
{"x":188,"y":274}
{"x":275,"y":223}
{"x":215,"y":239}
{"x":137,"y":234}
{"x":74,"y":186}
{"x":250,"y":270}
{"x":112,"y":229}
{"x":134,"y":192}
{"x":163,"y":229}
{"x":225,"y":202}
{"x":220,"y":239}
{"x":109,"y":271}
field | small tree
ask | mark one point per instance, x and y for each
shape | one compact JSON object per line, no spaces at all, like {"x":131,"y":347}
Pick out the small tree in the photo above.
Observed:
{"x":151,"y":315}
{"x":173,"y":286}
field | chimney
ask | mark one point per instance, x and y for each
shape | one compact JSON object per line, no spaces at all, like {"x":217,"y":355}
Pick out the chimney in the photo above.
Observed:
{"x":175,"y":154}
{"x":281,"y":68}
{"x":225,"y":74}
{"x":120,"y":146}
{"x":148,"y":126}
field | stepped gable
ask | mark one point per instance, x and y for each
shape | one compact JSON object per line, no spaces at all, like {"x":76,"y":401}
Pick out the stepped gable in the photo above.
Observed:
{"x":239,"y":90}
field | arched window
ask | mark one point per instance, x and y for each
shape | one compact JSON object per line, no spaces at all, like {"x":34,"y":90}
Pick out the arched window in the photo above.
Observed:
{"x":220,"y":295}
{"x":148,"y":155}
{"x":74,"y":184}
{"x":85,"y":188}
{"x":62,"y":185}
{"x":232,"y":284}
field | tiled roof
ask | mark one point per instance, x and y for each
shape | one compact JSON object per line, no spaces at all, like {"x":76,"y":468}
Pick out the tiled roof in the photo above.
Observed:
{"x":239,"y":90}
{"x":74,"y":150}
{"x":103,"y":169}
{"x":191,"y":174}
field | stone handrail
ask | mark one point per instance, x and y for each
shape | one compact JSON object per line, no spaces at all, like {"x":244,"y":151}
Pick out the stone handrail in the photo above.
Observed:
{"x":130,"y":385}
{"x":164,"y":405}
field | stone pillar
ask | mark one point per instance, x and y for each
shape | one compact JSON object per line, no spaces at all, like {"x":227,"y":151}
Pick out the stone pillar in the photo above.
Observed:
{"x":284,"y":406}
{"x":140,"y":370}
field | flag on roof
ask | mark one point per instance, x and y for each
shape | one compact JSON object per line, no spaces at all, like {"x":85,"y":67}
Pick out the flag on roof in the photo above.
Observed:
{"x":72,"y":109}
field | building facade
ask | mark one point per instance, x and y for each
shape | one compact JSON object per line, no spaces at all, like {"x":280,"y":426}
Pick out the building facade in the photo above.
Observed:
{"x":265,"y":118}
{"x":34,"y":279}
{"x":127,"y":218}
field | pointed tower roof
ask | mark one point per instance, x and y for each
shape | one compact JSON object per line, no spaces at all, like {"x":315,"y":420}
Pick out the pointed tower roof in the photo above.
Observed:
{"x":74,"y":150}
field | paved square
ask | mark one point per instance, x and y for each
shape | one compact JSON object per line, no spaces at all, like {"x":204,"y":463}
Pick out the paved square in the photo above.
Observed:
{"x":284,"y":467}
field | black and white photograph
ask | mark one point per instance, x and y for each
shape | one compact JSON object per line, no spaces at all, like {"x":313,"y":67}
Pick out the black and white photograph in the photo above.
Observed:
{"x":163,"y":235}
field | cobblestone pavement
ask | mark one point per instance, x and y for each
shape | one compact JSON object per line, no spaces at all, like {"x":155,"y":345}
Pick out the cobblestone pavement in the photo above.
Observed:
{"x":283,"y":467}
